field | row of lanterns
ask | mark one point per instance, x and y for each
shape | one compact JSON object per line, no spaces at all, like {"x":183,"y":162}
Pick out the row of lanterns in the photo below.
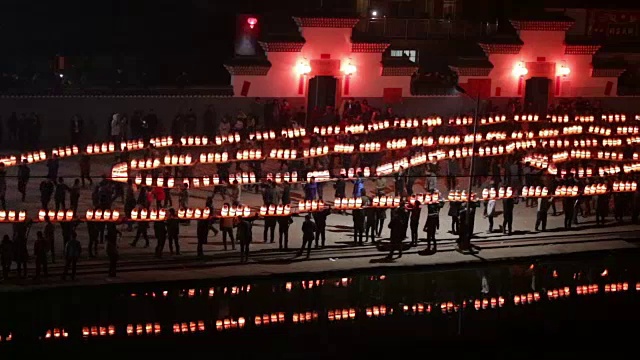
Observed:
{"x":283,"y":154}
{"x":606,"y":155}
{"x":378,"y":125}
{"x":526,"y":118}
{"x":101,"y":148}
{"x":496,"y":119}
{"x":424,"y":199}
{"x":572,"y":130}
{"x":34,"y":156}
{"x":521,"y":145}
{"x":65,"y":151}
{"x":627,"y":130}
{"x":599,"y":130}
{"x":243,"y":178}
{"x":501,"y":193}
{"x":194,"y":141}
{"x":585,"y":118}
{"x":535,"y":191}
{"x":149,"y":180}
{"x":385,"y":201}
{"x":595,"y":189}
{"x":13,"y":216}
{"x":279,"y":178}
{"x":214,"y":158}
{"x":144,"y":164}
{"x":262,"y":135}
{"x":178,"y":160}
{"x":352,"y":173}
{"x":370,"y":147}
{"x":545,"y":133}
{"x":461,"y":121}
{"x":344,"y":148}
{"x":294,"y":133}
{"x":194,"y":214}
{"x":354,"y":129}
{"x":275,"y":210}
{"x":56,"y":216}
{"x":253,"y":154}
{"x":102,"y":215}
{"x":624,"y":186}
{"x":235,"y":211}
{"x":348,"y":203}
{"x":319,"y":175}
{"x":311,"y":206}
{"x":161,"y":141}
{"x":422,"y":141}
{"x":396,"y":144}
{"x":316,"y":151}
{"x":233,"y":138}
{"x":614,"y":118}
{"x":460,"y":196}
{"x":326,"y":130}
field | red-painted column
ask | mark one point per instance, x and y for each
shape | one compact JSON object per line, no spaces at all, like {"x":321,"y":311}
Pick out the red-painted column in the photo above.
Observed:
{"x":301,"y":85}
{"x":520,"y":83}
{"x":346,"y":84}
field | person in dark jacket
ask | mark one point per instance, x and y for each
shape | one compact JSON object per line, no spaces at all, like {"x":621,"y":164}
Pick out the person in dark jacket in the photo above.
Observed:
{"x":414,"y":220}
{"x":40,"y":253}
{"x":53,"y":165}
{"x":112,"y":247}
{"x":244,"y":235}
{"x":398,"y":231}
{"x":160,"y":232}
{"x":47,"y":188}
{"x":602,"y":208}
{"x":20,"y":252}
{"x":94,"y":234}
{"x":6,"y":256}
{"x":85,"y":169}
{"x":61,"y":194}
{"x":321,"y":226}
{"x":24,"y":173}
{"x":143,"y":228}
{"x":269,"y":227}
{"x":72,"y":252}
{"x":308,"y":235}
{"x":173,"y":231}
{"x":286,"y":193}
{"x":50,"y":237}
{"x":507,"y":223}
{"x":283,"y":231}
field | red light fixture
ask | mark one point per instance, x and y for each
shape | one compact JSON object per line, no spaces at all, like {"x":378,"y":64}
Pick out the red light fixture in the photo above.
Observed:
{"x":252,"y":22}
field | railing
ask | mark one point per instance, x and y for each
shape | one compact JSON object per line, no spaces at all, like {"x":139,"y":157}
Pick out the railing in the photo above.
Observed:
{"x":394,"y":28}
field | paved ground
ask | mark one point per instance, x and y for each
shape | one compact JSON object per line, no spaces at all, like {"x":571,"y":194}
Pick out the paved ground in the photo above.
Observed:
{"x":139,"y":265}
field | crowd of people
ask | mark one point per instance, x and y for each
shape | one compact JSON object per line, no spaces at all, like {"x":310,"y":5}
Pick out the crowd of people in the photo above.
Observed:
{"x":510,"y":170}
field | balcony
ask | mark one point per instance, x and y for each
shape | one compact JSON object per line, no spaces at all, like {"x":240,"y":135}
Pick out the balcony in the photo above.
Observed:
{"x":422,"y":29}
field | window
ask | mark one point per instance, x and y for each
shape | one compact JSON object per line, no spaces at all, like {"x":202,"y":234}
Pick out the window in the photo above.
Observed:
{"x":411,"y":54}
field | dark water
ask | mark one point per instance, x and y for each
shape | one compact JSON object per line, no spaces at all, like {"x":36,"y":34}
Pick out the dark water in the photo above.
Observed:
{"x":585,"y":297}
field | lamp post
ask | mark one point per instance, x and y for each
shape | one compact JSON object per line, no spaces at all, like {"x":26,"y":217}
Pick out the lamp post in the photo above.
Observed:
{"x":465,"y":244}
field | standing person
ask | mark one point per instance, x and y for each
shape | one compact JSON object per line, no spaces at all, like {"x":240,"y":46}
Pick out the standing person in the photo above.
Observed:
{"x":112,"y":247}
{"x":71,"y":255}
{"x":53,"y":166}
{"x":50,"y":237}
{"x":6,"y":256}
{"x":77,"y":127}
{"x":85,"y":169}
{"x":3,"y":186}
{"x":321,"y":226}
{"x":160,"y":232}
{"x":602,"y":208}
{"x":491,"y":211}
{"x":94,"y":234}
{"x":269,"y":229}
{"x":308,"y":235}
{"x":143,"y":228}
{"x":507,"y":223}
{"x":454,"y":212}
{"x":567,"y":206}
{"x":226,"y":226}
{"x":40,"y":253}
{"x":60,"y":195}
{"x":541,"y":215}
{"x":244,"y":235}
{"x":380,"y":218}
{"x":397,"y":235}
{"x":433,"y":223}
{"x":414,"y":220}
{"x":47,"y":187}
{"x":74,"y":195}
{"x":283,"y":231}
{"x":173,"y":231}
{"x":24,"y":173}
{"x":20,"y":252}
{"x":183,"y":198}
{"x":452,"y":173}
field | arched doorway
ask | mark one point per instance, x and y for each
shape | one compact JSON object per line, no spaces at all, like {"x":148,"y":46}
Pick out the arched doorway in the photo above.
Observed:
{"x":322,"y":92}
{"x":536,"y":94}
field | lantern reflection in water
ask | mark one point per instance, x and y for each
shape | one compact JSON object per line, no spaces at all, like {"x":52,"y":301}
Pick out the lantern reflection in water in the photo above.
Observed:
{"x":230,"y":323}
{"x":266,"y":319}
{"x":273,"y":210}
{"x":34,"y":156}
{"x":230,"y":211}
{"x":13,"y":216}
{"x":162,"y":141}
{"x":341,"y":314}
{"x":101,"y":148}
{"x":188,"y":327}
{"x":304,"y":317}
{"x":55,"y":216}
{"x":148,"y":215}
{"x":56,"y":334}
{"x":65,"y":151}
{"x":194,"y":213}
{"x":102,"y":215}
{"x":194,"y":141}
{"x":214,"y":158}
{"x":98,"y":331}
{"x":144,"y":329}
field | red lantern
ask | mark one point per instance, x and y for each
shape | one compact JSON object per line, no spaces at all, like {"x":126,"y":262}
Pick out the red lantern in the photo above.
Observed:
{"x":252,"y":22}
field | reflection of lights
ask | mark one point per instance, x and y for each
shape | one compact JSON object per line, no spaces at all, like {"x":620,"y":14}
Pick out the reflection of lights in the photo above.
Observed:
{"x":349,"y":68}
{"x":252,"y":22}
{"x":303,"y":68}
{"x":520,"y":70}
{"x":563,"y":70}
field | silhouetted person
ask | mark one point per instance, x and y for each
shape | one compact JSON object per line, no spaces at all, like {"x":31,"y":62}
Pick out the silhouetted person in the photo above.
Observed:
{"x":24,"y":173}
{"x":71,"y":255}
{"x":160,"y":232}
{"x":50,"y":237}
{"x":244,"y":235}
{"x":20,"y":253}
{"x":40,"y":253}
{"x":143,"y":228}
{"x":94,"y":234}
{"x":61,"y":195}
{"x":283,"y":231}
{"x":507,"y":223}
{"x":397,"y":227}
{"x":112,"y":247}
{"x":47,"y":187}
{"x":6,"y":256}
{"x":321,"y":226}
{"x":173,"y":231}
{"x":308,"y":234}
{"x":269,"y":228}
{"x":414,"y":221}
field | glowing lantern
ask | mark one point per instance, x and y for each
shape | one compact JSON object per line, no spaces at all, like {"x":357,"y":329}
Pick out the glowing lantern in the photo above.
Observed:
{"x":252,"y":22}
{"x":520,"y":70}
